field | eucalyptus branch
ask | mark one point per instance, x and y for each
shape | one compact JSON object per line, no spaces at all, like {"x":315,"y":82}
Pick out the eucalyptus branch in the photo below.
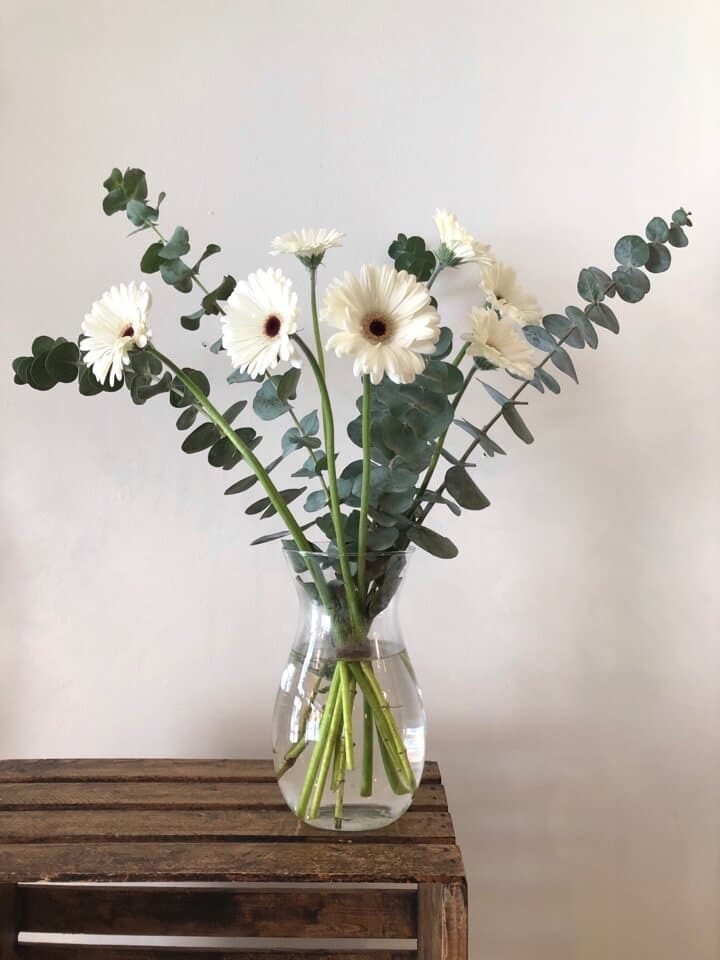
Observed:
{"x":440,"y":442}
{"x":329,"y":434}
{"x":195,"y":278}
{"x":213,"y":414}
{"x":493,"y":420}
{"x":313,"y":455}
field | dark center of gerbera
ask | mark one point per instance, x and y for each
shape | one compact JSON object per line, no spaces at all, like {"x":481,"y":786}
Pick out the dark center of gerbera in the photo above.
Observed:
{"x":272,"y":326}
{"x":377,"y":327}
{"x":128,"y":331}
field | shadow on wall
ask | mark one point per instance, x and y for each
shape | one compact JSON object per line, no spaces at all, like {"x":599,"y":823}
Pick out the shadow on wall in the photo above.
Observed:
{"x":507,"y":788}
{"x":565,"y":797}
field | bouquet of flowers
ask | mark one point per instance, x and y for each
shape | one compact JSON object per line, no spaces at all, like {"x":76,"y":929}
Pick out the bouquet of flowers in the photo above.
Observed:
{"x":348,"y":545}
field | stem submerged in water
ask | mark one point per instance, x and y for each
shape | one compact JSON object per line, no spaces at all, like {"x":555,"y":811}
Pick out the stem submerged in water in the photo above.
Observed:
{"x":335,"y":744}
{"x":366,"y":778}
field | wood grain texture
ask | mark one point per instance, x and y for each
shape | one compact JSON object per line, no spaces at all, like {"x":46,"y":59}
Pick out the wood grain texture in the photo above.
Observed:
{"x":46,"y":951}
{"x":38,"y":826}
{"x":236,"y":862}
{"x":161,"y":770}
{"x":207,"y":821}
{"x":442,"y":921}
{"x":142,"y":795}
{"x":367,"y":913}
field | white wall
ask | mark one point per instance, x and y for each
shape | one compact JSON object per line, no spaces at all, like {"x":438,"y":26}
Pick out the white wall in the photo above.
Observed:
{"x":569,"y":657}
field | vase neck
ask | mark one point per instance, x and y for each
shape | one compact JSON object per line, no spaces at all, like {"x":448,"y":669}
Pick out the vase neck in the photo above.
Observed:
{"x":324,"y":627}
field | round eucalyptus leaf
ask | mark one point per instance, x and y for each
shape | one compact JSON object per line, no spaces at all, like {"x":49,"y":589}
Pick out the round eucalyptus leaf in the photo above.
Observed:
{"x":659,"y":259}
{"x":258,"y":506}
{"x":549,"y":381}
{"x":316,"y":501}
{"x":87,"y":383}
{"x":538,"y":337}
{"x":201,"y":438}
{"x":657,"y":230}
{"x":631,"y":284}
{"x":557,"y":324}
{"x":187,"y":418}
{"x":513,"y":418}
{"x":242,"y":485}
{"x":223,"y":453}
{"x":590,"y":286}
{"x":602,"y":316}
{"x":444,"y":344}
{"x":21,"y":366}
{"x":433,"y":542}
{"x":677,"y":237}
{"x":62,"y":362}
{"x":39,"y":376}
{"x":234,"y":409}
{"x":582,"y":322}
{"x":563,"y":361}
{"x":150,"y":262}
{"x":177,"y":246}
{"x":382,"y":538}
{"x":681,"y":217}
{"x":465,"y":491}
{"x":632,"y":251}
{"x":41,"y":345}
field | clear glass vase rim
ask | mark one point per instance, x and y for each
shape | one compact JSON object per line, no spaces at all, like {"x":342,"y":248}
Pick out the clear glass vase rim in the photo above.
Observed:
{"x":351,"y":555}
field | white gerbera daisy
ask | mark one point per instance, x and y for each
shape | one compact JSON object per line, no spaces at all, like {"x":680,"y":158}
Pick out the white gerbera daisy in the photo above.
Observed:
{"x":116,"y":324}
{"x":505,"y":294}
{"x":260,"y":316}
{"x":500,"y":342}
{"x":456,"y":244}
{"x":385,"y":319}
{"x":309,"y":246}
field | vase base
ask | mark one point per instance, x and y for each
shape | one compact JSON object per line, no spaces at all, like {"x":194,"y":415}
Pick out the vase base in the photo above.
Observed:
{"x":356,"y":817}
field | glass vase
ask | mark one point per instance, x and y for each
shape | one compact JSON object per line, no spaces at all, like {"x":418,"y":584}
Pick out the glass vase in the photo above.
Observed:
{"x":349,"y":724}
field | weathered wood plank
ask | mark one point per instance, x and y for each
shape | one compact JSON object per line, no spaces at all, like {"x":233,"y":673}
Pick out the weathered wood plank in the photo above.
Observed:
{"x":62,"y":826}
{"x":367,"y":913}
{"x":142,"y":795}
{"x":161,"y":770}
{"x":442,"y":921}
{"x":250,"y":862}
{"x":73,"y":951}
{"x":8,"y":921}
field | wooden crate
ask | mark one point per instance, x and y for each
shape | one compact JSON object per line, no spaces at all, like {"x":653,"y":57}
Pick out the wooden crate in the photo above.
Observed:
{"x":87,"y":827}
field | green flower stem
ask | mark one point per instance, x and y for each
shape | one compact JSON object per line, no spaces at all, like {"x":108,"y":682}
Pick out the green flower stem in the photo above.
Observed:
{"x":198,"y":282}
{"x":366,"y":775}
{"x":291,"y":756}
{"x":365,"y":489}
{"x":440,"y":443}
{"x":294,"y":752}
{"x":335,"y":736}
{"x":386,"y":714}
{"x":338,"y":783}
{"x":347,"y":709}
{"x":333,"y":733}
{"x":356,"y":618}
{"x":319,"y":748}
{"x":439,"y":267}
{"x":396,"y":783}
{"x":252,"y":461}
{"x":493,"y":420}
{"x":315,"y":320}
{"x":388,"y":733}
